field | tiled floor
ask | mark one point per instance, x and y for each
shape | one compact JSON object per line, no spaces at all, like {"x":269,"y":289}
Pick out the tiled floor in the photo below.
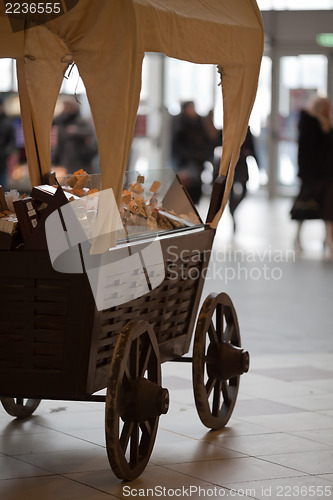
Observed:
{"x":279,"y":441}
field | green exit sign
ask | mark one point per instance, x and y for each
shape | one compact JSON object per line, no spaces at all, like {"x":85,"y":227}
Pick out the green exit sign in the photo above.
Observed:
{"x":325,"y":39}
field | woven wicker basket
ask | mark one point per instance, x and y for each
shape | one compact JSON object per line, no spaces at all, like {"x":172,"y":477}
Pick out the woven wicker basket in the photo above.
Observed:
{"x":54,"y":344}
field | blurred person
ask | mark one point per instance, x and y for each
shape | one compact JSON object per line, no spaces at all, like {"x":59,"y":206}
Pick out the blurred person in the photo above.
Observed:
{"x":7,"y":143}
{"x":189,"y":148}
{"x":76,"y":145}
{"x":314,"y":164}
{"x":326,"y":203}
{"x":241,"y":176}
{"x":214,"y":135}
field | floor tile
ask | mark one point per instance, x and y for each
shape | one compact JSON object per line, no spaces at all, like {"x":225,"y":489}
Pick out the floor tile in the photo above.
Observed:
{"x":95,"y":436}
{"x":293,"y":421}
{"x":176,"y":382}
{"x":268,"y":444}
{"x":64,"y":462}
{"x":48,"y":407}
{"x":18,"y":444}
{"x":14,"y":468}
{"x":325,"y":385}
{"x":235,"y":470}
{"x":329,"y":413}
{"x":310,"y":462}
{"x":73,"y":420}
{"x":235,"y":428}
{"x":32,"y":425}
{"x":295,"y":373}
{"x":324,"y":436}
{"x":327,"y":477}
{"x":321,"y":360}
{"x":183,"y":419}
{"x":260,"y":386}
{"x":261,"y":406}
{"x":181,"y":396}
{"x":48,"y":488}
{"x":318,"y":402}
{"x":173,"y":448}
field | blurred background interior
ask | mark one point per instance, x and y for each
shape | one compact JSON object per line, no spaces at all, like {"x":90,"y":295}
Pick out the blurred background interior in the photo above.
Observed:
{"x":297,"y":63}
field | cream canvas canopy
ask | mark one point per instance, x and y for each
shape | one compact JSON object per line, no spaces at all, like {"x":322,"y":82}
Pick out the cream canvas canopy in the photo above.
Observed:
{"x":107,"y":40}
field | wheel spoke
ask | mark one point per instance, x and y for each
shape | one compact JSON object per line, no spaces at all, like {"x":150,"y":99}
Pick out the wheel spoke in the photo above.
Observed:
{"x":20,"y":401}
{"x":212,"y":333}
{"x":145,"y":357}
{"x":134,"y":453}
{"x":209,"y":385}
{"x":219,"y":321}
{"x":216,"y":398}
{"x":226,"y":392}
{"x":229,"y":331}
{"x":146,"y":428}
{"x":127,"y":374}
{"x":125,"y":435}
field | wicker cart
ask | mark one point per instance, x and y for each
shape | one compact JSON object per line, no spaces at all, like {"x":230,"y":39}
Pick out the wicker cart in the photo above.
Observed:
{"x":54,"y":344}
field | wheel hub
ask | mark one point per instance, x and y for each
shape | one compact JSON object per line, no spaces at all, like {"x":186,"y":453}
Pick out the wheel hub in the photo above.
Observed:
{"x":225,"y":361}
{"x":144,"y":400}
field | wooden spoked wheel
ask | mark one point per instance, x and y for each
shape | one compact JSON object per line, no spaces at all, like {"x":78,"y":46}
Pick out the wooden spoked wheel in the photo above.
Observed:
{"x":19,"y":407}
{"x":135,"y":400}
{"x":218,"y":361}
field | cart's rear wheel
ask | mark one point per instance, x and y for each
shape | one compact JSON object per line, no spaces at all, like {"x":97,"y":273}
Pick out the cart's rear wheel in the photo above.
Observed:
{"x":134,"y":401}
{"x":19,"y":407}
{"x":218,"y":361}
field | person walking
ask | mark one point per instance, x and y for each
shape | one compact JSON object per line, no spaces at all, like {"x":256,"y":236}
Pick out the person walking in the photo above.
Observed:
{"x":241,"y":176}
{"x":76,"y":143}
{"x":314,"y":158}
{"x":189,"y":149}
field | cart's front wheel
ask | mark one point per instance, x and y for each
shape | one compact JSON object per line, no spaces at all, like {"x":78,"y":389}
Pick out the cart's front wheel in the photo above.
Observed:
{"x":135,"y":400}
{"x":19,"y":407}
{"x":218,"y":361}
